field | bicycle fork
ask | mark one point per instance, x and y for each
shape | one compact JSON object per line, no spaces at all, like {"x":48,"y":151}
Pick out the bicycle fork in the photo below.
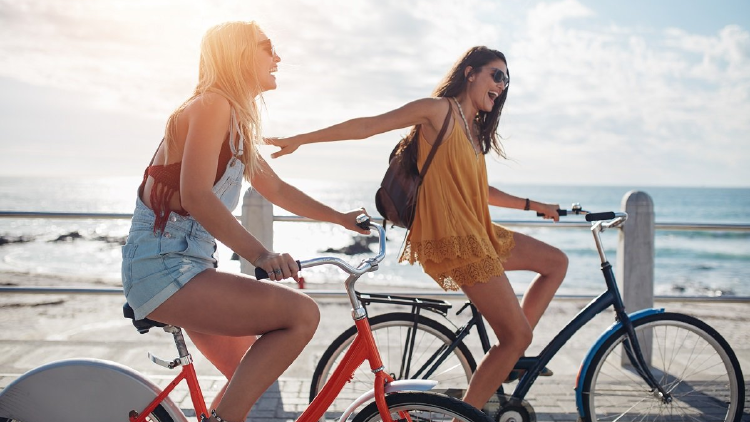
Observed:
{"x":631,"y":345}
{"x":633,"y":350}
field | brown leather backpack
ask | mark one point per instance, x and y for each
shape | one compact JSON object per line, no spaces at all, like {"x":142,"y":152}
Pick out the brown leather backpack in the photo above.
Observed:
{"x":396,"y":199}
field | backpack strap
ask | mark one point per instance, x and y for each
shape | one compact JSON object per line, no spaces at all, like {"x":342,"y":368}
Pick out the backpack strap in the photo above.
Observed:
{"x":438,"y":141}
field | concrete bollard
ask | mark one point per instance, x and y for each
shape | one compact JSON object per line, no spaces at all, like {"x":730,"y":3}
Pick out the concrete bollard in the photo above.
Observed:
{"x":257,"y":218}
{"x":635,"y":259}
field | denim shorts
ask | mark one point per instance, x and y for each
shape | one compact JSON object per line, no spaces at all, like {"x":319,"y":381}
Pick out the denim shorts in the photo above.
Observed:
{"x":157,"y":264}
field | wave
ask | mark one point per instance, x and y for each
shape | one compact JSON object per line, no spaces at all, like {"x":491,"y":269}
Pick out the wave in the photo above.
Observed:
{"x":682,"y":234}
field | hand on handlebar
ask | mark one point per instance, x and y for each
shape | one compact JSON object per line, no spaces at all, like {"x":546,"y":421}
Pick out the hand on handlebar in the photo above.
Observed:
{"x":357,"y":220}
{"x":277,"y":266}
{"x":548,"y":211}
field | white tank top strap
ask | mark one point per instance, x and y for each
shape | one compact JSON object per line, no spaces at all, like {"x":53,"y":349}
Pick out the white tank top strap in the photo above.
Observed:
{"x":237,"y":147}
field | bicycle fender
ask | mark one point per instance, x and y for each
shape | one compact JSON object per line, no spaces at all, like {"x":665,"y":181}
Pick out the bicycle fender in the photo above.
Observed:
{"x":586,"y":363}
{"x":74,"y":390}
{"x":391,"y":387}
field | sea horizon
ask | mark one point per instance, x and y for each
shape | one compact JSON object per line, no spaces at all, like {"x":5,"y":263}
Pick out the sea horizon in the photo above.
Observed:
{"x":695,"y":263}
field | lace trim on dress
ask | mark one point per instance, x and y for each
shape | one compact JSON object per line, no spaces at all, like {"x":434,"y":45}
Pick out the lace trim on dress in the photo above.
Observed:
{"x":464,"y":248}
{"x":471,"y":274}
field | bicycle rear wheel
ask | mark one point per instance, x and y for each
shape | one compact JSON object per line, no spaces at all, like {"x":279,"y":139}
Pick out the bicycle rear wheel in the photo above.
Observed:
{"x":423,"y":407}
{"x":688,"y":358}
{"x":405,"y":352}
{"x":158,"y":415}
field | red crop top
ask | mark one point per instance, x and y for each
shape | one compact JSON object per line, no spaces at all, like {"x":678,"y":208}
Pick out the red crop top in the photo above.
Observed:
{"x":167,"y":183}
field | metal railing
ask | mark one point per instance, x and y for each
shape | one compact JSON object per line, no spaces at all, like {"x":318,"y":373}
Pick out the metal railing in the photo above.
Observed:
{"x":296,"y":219}
{"x":336,"y":294}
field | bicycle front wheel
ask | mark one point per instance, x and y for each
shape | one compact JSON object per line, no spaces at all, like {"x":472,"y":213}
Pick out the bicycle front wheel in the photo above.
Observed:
{"x":691,"y":360}
{"x":423,"y":407}
{"x":406,"y":352}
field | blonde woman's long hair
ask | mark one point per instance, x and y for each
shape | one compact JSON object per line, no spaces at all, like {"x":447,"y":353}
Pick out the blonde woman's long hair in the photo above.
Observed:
{"x":227,"y":63}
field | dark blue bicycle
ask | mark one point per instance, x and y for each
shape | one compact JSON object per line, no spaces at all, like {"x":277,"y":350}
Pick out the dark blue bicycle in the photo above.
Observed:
{"x":650,"y":365}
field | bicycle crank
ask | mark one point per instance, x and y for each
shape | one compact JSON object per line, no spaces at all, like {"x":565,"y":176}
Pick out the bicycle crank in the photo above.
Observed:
{"x":505,"y":408}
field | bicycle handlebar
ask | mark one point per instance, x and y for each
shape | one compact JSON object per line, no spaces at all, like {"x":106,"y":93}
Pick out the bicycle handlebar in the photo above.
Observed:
{"x":366,"y":265}
{"x":616,"y":217}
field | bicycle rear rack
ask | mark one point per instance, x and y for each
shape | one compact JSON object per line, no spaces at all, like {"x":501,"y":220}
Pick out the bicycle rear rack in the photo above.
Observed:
{"x":437,"y":306}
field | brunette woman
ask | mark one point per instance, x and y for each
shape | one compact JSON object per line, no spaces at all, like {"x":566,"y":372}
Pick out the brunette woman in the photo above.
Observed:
{"x":453,"y":237}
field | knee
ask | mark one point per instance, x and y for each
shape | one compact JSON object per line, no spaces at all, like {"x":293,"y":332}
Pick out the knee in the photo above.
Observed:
{"x":308,"y":316}
{"x":558,"y":263}
{"x":524,"y":337}
{"x":562,"y":261}
{"x":520,"y":339}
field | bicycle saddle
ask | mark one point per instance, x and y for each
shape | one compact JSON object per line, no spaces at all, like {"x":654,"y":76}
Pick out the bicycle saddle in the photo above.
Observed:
{"x":142,"y":325}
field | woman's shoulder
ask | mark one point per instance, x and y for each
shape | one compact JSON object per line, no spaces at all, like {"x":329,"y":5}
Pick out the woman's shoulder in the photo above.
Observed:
{"x":433,"y":104}
{"x":209,"y":105}
{"x":432,"y":109}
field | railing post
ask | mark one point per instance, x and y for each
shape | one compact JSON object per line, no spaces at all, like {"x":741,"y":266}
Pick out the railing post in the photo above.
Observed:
{"x":635,"y":258}
{"x":257,"y":218}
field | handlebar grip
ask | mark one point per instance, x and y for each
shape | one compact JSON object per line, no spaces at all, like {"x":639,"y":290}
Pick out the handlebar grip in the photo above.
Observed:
{"x":262,"y":274}
{"x":599,"y":216}
{"x":561,"y":213}
{"x":363,"y":221}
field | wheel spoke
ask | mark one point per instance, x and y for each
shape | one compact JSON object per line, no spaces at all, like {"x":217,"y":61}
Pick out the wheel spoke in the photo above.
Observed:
{"x":695,"y":366}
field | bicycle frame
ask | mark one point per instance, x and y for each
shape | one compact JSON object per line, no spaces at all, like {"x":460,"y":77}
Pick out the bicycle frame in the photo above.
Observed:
{"x":533,"y":365}
{"x":611,"y":297}
{"x":187,"y":373}
{"x":363,"y":348}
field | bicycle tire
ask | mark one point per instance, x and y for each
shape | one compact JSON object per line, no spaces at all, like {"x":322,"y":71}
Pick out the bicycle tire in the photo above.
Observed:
{"x":389,"y":331}
{"x":423,"y":407}
{"x":159,"y":414}
{"x":691,"y":359}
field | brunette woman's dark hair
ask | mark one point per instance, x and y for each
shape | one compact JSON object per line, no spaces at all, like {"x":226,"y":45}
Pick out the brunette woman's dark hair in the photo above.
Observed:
{"x":452,"y":85}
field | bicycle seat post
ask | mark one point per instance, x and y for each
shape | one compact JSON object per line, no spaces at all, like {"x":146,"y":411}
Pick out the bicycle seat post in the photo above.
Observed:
{"x":184,"y":357}
{"x":179,"y":340}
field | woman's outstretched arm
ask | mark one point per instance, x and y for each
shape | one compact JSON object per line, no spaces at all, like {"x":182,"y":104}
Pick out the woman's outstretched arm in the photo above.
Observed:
{"x":420,"y":112}
{"x":281,"y":193}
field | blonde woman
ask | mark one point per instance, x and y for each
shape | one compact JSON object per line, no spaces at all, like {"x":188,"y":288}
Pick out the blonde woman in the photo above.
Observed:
{"x":185,"y":204}
{"x":453,"y":237}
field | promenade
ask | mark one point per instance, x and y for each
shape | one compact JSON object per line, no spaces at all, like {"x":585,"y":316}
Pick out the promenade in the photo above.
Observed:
{"x":36,"y":329}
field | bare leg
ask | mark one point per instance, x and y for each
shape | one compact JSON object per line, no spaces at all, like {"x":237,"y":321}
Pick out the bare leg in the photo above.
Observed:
{"x":225,"y":353}
{"x":548,"y":262}
{"x":498,"y":304}
{"x":222,"y":304}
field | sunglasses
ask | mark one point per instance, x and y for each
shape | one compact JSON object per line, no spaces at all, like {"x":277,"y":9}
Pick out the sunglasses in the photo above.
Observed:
{"x":499,"y":76}
{"x":267,"y":46}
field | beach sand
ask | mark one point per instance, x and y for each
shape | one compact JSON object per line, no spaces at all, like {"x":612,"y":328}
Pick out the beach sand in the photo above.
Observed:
{"x":40,"y":328}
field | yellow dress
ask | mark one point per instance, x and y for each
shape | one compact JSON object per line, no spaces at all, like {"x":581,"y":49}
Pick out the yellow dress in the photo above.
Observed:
{"x":452,"y":236}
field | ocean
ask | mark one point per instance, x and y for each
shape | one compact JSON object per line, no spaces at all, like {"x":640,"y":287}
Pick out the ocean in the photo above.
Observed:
{"x":694,"y":263}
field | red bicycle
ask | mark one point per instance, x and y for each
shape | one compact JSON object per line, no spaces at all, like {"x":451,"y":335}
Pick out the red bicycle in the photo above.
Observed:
{"x":96,"y":390}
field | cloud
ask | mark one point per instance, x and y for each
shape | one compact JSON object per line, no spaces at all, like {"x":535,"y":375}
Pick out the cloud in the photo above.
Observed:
{"x":583,"y":88}
{"x":644,"y":95}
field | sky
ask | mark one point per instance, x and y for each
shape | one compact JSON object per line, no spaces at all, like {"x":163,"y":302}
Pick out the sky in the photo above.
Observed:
{"x":607,"y":92}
